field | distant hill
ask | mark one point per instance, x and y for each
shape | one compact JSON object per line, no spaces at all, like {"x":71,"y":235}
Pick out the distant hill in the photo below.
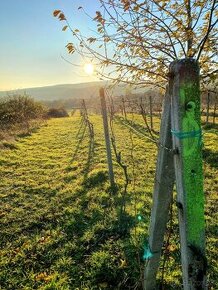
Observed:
{"x":65,"y":91}
{"x":58,"y":92}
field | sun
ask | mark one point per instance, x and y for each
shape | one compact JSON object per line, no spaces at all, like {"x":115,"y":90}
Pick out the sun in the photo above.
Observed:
{"x":89,"y":68}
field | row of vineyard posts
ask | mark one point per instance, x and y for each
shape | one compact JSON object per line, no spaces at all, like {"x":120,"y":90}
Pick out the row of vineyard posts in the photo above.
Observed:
{"x":209,"y":106}
{"x":179,"y":161}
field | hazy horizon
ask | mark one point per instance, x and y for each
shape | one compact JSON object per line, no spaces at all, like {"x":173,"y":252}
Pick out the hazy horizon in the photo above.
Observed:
{"x":53,"y":85}
{"x":33,"y":43}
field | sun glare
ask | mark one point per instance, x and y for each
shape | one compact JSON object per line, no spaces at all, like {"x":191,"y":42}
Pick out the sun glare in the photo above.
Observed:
{"x":89,"y":68}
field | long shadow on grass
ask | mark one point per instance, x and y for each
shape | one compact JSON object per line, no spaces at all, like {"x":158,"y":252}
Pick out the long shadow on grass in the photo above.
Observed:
{"x":95,"y":225}
{"x":90,"y":157}
{"x":87,"y":224}
{"x":136,"y":128}
{"x":118,"y":227}
{"x":210,"y":157}
{"x":210,"y":126}
{"x":80,"y":137}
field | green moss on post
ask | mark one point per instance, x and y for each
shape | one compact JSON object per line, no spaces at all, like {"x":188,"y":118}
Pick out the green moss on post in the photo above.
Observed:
{"x":186,"y":129}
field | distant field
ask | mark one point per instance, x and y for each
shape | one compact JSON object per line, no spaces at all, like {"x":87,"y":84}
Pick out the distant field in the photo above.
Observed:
{"x":62,"y":226}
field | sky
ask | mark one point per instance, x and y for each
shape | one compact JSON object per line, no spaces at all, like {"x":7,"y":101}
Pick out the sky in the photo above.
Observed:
{"x":32,"y":43}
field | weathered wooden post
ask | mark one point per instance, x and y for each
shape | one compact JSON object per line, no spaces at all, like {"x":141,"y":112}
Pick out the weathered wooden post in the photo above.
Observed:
{"x":151,"y":112}
{"x":86,"y":119}
{"x":107,"y":136}
{"x":184,"y":125}
{"x":186,"y":130}
{"x":162,"y":196}
{"x":84,"y":107}
{"x":121,"y":109}
{"x":214,"y":111}
{"x":124,"y":107}
{"x":112,"y":108}
{"x":208,"y":107}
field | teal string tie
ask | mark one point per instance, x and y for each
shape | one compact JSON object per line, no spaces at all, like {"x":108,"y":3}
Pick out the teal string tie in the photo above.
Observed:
{"x":190,"y":134}
{"x":147,"y":252}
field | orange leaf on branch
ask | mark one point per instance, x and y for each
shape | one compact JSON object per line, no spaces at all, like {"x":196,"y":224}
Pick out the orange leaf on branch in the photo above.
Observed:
{"x":61,"y":17}
{"x":56,"y":13}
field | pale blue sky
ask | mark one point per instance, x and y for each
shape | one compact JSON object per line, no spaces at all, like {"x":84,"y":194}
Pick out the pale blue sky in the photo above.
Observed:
{"x":32,"y":42}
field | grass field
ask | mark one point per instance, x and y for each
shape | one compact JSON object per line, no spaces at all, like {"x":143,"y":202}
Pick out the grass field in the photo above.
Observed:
{"x":62,"y":227}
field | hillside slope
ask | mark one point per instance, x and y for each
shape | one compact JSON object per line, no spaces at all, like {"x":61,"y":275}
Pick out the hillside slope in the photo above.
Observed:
{"x":56,"y":92}
{"x":70,"y":91}
{"x":65,"y":91}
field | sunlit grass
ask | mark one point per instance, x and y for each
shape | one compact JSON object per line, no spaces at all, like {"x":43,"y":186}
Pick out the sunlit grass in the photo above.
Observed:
{"x":61,"y":226}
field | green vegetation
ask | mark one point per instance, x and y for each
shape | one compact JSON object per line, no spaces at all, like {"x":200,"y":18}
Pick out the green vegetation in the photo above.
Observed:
{"x":19,"y":109}
{"x":57,"y":113}
{"x":61,"y":225}
{"x":19,"y":116}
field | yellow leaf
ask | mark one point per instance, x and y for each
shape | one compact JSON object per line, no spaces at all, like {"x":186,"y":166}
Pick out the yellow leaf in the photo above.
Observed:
{"x":171,"y":248}
{"x":70,"y":47}
{"x":136,"y":8}
{"x":41,"y":276}
{"x":64,"y":28}
{"x":122,"y":45}
{"x":103,"y":285}
{"x":123,"y":264}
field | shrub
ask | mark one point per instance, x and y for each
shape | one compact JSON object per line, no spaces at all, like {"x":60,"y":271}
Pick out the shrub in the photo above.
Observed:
{"x":57,"y":113}
{"x":20,"y":109}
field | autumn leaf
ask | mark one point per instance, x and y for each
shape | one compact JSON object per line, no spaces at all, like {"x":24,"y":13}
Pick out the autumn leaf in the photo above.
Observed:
{"x":64,"y":28}
{"x":70,"y":47}
{"x":126,"y":4}
{"x":106,"y":39}
{"x":56,"y":13}
{"x":121,"y":46}
{"x":61,"y":17}
{"x":103,"y":285}
{"x":136,"y":8}
{"x":123,"y":264}
{"x":41,"y":276}
{"x":106,"y":62}
{"x":91,"y":39}
{"x":99,"y":17}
